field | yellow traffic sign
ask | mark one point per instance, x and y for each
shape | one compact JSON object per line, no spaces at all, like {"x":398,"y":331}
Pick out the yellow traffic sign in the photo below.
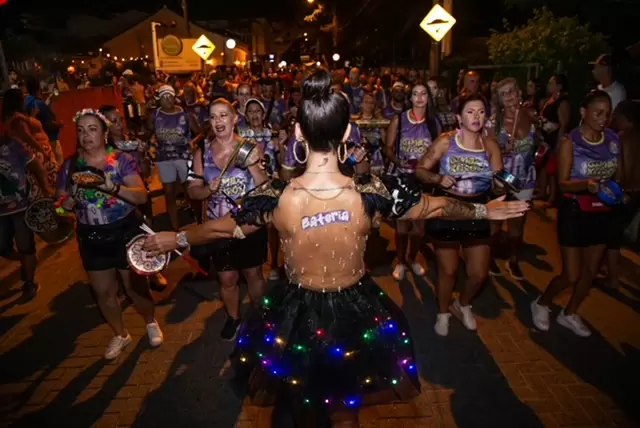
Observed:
{"x":203,"y":47}
{"x":437,"y":23}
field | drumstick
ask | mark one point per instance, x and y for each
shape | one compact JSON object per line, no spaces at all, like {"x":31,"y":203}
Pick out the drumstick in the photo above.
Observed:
{"x":186,"y":258}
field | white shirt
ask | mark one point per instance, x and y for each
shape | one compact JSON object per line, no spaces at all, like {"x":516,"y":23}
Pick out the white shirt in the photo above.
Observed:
{"x":616,"y":91}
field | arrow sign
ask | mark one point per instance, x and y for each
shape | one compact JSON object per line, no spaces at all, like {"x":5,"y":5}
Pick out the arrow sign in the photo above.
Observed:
{"x":203,"y":47}
{"x":437,"y":23}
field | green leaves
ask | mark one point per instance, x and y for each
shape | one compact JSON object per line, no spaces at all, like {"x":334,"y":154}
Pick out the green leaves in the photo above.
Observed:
{"x":547,"y":40}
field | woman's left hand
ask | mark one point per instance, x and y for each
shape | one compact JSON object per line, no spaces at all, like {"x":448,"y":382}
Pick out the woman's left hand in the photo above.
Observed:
{"x":161,"y":242}
{"x":108,"y":185}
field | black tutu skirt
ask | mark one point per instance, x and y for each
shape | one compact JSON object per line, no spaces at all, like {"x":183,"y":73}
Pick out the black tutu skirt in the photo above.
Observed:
{"x":333,"y":350}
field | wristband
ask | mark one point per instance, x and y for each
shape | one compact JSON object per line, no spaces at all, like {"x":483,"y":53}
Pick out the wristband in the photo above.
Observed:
{"x":480,"y":212}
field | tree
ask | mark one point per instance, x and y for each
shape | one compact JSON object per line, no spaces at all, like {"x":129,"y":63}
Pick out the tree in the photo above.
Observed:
{"x":547,"y":40}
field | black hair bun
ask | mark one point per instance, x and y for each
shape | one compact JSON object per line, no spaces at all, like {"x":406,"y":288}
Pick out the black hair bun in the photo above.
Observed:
{"x":317,"y":87}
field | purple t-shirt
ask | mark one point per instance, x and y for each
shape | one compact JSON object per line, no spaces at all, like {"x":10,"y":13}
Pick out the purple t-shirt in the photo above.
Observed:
{"x":94,"y":207}
{"x":594,"y":160}
{"x":290,"y":160}
{"x":174,"y":133}
{"x":14,"y":187}
{"x":277,"y":112}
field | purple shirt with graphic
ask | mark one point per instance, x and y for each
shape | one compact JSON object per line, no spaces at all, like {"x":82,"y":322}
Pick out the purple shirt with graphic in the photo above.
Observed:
{"x":599,"y":160}
{"x":235,"y":184}
{"x":375,"y":138}
{"x":290,"y":160}
{"x":173,"y":133}
{"x":14,"y":186}
{"x":277,"y":112}
{"x":389,"y":112}
{"x":471,"y":168}
{"x":96,"y":208}
{"x":520,"y":161}
{"x":415,"y":139}
{"x":357,"y":95}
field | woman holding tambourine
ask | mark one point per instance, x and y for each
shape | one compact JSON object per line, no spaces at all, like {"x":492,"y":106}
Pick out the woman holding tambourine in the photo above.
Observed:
{"x":102,"y":186}
{"x":219,"y":179}
{"x":588,"y":156}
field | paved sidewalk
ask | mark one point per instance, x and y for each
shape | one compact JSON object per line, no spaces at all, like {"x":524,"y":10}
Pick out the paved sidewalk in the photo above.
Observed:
{"x":506,"y":375}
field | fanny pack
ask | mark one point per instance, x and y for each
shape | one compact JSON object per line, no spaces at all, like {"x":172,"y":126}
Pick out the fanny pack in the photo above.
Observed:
{"x":589,"y":203}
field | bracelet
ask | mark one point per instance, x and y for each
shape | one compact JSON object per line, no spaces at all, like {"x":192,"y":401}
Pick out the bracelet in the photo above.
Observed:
{"x":480,"y":212}
{"x":238,"y":233}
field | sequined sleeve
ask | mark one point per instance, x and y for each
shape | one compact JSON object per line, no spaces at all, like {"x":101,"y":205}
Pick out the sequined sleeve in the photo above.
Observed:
{"x":391,"y":196}
{"x":256,"y":207}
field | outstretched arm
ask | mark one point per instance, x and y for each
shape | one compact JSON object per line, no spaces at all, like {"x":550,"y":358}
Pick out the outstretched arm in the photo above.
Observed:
{"x":454,"y":209}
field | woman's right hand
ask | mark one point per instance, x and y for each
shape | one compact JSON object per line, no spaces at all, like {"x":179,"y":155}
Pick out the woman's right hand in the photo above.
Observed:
{"x":214,"y":186}
{"x":593,"y":186}
{"x":446,"y":181}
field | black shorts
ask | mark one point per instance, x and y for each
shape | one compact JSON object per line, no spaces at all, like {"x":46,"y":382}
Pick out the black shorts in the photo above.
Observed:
{"x":235,"y":254}
{"x":459,"y":230}
{"x":104,"y":247}
{"x":13,"y":227}
{"x":577,"y":228}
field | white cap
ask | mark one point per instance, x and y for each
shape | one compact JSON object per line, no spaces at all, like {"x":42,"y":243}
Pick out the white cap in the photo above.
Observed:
{"x":127,"y":72}
{"x":398,"y":85}
{"x":166,"y":89}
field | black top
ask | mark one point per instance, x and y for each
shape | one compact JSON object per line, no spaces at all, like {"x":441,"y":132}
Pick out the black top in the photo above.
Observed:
{"x":390,"y":196}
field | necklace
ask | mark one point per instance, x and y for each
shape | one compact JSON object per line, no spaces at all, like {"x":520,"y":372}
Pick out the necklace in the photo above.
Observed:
{"x":322,"y":172}
{"x":328,"y":189}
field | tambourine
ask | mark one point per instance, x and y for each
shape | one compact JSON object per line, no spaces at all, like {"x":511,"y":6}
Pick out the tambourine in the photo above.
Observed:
{"x":610,"y":193}
{"x":41,"y":217}
{"x":507,"y":179}
{"x":243,"y":152}
{"x":372,"y":123}
{"x":88,"y":177}
{"x":143,"y":262}
{"x":540,"y":155}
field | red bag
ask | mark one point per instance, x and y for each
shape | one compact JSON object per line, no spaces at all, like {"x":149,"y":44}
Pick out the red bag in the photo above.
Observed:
{"x":589,"y":203}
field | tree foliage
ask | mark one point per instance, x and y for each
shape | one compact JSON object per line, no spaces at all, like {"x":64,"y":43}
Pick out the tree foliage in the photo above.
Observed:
{"x":547,"y":40}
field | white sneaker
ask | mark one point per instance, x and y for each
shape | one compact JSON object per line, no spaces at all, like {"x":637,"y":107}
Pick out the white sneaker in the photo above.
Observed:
{"x":465,"y":315}
{"x":274,"y":275}
{"x":540,"y":315}
{"x":574,"y":323}
{"x":155,"y":334}
{"x":417,"y":269}
{"x":442,"y":324}
{"x":116,"y":346}
{"x":399,"y":272}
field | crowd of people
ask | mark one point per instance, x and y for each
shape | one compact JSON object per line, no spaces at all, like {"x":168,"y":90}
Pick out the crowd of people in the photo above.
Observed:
{"x":332,"y":154}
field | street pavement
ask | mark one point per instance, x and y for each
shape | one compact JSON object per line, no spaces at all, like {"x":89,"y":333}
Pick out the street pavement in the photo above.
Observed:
{"x":506,"y":375}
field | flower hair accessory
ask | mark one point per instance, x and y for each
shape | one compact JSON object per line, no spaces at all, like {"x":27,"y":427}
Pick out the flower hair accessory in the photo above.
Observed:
{"x":91,"y":112}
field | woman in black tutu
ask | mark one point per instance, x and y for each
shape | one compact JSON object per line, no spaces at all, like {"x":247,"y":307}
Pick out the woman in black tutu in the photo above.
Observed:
{"x":330,"y":336}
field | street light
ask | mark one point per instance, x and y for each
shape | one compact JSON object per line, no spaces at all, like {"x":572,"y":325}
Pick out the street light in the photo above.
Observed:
{"x":305,"y":34}
{"x":318,"y":64}
{"x":336,"y":57}
{"x":231,"y":44}
{"x":310,"y":1}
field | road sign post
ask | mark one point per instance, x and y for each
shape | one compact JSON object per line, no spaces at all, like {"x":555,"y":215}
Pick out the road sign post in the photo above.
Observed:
{"x":436,"y":24}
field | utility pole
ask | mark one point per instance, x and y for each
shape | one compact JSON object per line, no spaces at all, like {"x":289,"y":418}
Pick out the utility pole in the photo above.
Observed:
{"x":185,"y":14}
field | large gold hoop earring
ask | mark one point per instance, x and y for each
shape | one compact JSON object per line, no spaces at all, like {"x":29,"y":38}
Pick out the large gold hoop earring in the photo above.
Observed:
{"x":342,"y":157}
{"x":306,"y":151}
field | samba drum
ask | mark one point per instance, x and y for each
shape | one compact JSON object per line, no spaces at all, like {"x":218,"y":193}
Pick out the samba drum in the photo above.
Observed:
{"x":143,"y":262}
{"x":127,"y":146}
{"x":507,"y":179}
{"x":372,"y":123}
{"x":42,"y":219}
